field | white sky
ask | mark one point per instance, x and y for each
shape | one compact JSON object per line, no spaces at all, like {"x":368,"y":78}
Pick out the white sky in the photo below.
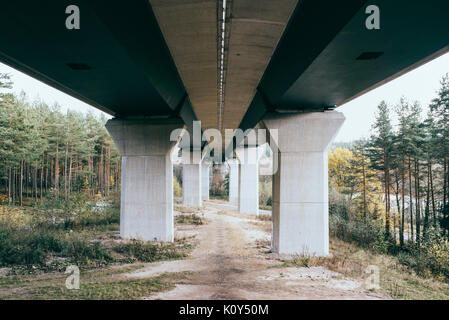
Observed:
{"x":36,"y":89}
{"x":420,"y":84}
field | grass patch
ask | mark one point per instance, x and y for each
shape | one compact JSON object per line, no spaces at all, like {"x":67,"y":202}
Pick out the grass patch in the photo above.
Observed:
{"x":151,"y":252}
{"x":184,"y":209}
{"x":56,"y":233}
{"x":299,"y":261}
{"x":34,"y":247}
{"x":110,"y":290}
{"x":93,"y":285}
{"x":193,"y":219}
{"x":264,"y":217}
{"x":396,"y":280}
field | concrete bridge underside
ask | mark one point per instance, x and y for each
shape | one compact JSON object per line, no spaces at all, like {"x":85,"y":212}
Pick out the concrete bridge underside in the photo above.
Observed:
{"x":285,"y":65}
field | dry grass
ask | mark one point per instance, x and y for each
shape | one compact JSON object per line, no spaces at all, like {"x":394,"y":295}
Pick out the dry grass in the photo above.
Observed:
{"x":192,"y":219}
{"x":265,"y":226}
{"x":396,"y":280}
{"x":186,"y":209}
{"x":99,"y":285}
{"x":264,"y":217}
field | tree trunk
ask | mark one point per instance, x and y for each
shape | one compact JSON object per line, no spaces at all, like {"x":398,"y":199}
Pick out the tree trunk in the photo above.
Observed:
{"x":401,"y":234}
{"x":35,"y":183}
{"x":14,"y":188}
{"x":411,"y":199}
{"x":46,"y":176}
{"x":70,"y":173}
{"x":9,"y":185}
{"x":398,"y":204}
{"x":433,"y":197}
{"x":100,"y":172}
{"x":65,"y":171}
{"x":417,"y":204}
{"x":21,"y":183}
{"x":57,"y":171}
{"x":42,"y":175}
{"x":364,"y":191}
{"x":426,"y":213}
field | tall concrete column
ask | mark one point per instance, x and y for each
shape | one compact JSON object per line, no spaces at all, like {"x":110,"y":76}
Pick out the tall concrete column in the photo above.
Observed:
{"x":300,"y":184}
{"x":248,"y":179}
{"x":146,"y":208}
{"x":233,"y":180}
{"x":205,"y":167}
{"x":191,"y":180}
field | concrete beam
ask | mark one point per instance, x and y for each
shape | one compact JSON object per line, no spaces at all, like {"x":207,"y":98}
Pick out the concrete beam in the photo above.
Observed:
{"x":146,"y":208}
{"x":300,"y":185}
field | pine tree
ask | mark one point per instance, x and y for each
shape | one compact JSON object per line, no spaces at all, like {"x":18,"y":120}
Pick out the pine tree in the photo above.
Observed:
{"x":380,"y":151}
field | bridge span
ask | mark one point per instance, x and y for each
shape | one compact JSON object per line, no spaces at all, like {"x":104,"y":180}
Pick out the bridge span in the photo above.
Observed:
{"x":283,"y":66}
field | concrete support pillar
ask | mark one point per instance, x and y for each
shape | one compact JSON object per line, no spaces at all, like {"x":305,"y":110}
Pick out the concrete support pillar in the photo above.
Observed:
{"x":205,"y":168}
{"x":300,"y":184}
{"x":191,"y":180}
{"x":233,"y":181}
{"x":248,"y":179}
{"x":146,"y":208}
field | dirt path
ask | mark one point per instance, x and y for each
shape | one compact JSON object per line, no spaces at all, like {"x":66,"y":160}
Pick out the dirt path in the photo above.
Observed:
{"x":231,"y":261}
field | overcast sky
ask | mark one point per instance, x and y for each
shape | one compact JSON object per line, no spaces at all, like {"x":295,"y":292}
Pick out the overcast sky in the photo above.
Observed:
{"x":420,"y":84}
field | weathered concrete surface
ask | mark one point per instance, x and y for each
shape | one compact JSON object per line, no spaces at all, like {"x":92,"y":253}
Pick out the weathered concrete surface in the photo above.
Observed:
{"x":146,"y":208}
{"x":190,"y":31}
{"x":254,"y":30}
{"x":300,"y":185}
{"x":205,"y":179}
{"x":191,"y":184}
{"x":248,"y":179}
{"x":233,"y":180}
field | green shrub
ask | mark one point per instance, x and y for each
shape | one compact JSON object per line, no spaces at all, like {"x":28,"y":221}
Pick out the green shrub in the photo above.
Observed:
{"x":31,"y":236}
{"x":189,"y":219}
{"x":177,"y":190}
{"x":366,"y":234}
{"x":429,"y":258}
{"x":432,"y":257}
{"x":347,"y":226}
{"x":20,"y":248}
{"x":269,"y":201}
{"x":265,"y":192}
{"x":33,"y":247}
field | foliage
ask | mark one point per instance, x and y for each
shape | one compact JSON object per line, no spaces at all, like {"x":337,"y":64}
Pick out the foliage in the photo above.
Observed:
{"x":177,"y":190}
{"x":265,"y":192}
{"x":407,"y":168}
{"x":348,"y":226}
{"x":43,"y":149}
{"x":189,"y":219}
{"x":351,"y":173}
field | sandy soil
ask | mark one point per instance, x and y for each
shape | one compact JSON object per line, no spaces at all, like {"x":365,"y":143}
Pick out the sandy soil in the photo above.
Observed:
{"x":232,"y":261}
